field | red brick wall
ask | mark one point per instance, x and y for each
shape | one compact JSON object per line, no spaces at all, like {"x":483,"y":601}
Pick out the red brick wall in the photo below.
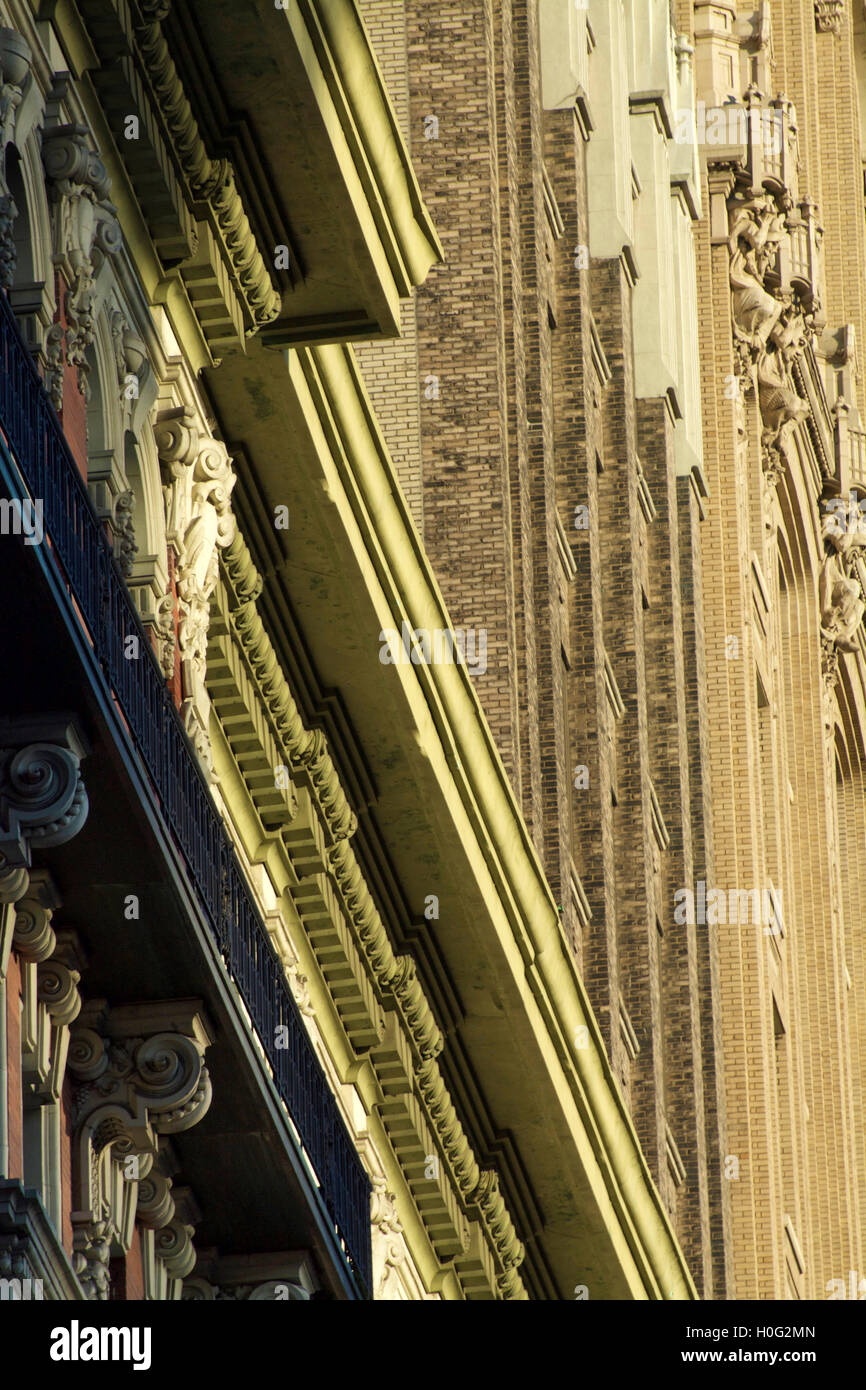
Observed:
{"x":134,"y":1273}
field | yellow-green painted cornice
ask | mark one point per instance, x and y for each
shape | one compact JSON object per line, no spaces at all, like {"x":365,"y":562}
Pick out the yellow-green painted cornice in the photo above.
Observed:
{"x":356,"y":83}
{"x":453,"y":735}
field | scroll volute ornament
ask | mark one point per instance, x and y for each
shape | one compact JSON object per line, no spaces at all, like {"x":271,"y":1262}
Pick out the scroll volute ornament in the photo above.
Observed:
{"x":127,"y":1091}
{"x":43,"y":801}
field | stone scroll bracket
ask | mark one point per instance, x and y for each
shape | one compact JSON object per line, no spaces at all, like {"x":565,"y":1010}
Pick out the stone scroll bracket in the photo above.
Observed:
{"x":138,"y":1075}
{"x":43,"y":800}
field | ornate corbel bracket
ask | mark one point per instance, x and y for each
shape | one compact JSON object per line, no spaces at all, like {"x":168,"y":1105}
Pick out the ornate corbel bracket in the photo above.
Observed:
{"x":84,"y":230}
{"x":43,"y":801}
{"x":138,"y":1073}
{"x":199,"y":524}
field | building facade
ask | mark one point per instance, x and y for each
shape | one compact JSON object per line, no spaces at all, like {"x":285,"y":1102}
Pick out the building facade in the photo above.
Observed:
{"x":290,"y":1007}
{"x":628,"y":424}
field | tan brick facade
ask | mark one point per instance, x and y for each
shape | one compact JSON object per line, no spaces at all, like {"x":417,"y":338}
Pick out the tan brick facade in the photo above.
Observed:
{"x":654,"y":662}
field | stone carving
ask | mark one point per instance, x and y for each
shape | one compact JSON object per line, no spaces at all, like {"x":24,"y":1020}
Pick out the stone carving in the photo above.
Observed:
{"x":387,"y":1234}
{"x":33,"y":938}
{"x":272,"y":1291}
{"x":771,"y":328}
{"x":154,"y":11}
{"x":839,"y":589}
{"x":828,"y":16}
{"x":84,"y":230}
{"x":164,"y":626}
{"x":130,"y":353}
{"x":129,"y":1089}
{"x":8,"y":258}
{"x":54,"y":365}
{"x":43,"y":801}
{"x":157,"y":1211}
{"x":199,"y":523}
{"x":125,"y":547}
{"x":91,"y":1252}
{"x":757,"y":230}
{"x":301,"y":991}
{"x":259,"y":1278}
{"x":15,"y":60}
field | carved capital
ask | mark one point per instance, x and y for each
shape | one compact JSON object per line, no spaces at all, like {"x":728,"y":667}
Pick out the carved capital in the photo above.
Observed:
{"x":42,"y":797}
{"x":152,"y":1084}
{"x":34,"y":939}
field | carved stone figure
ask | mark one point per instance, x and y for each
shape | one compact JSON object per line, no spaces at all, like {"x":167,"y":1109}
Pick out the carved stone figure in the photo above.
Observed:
{"x":771,"y":329}
{"x":757,"y":229}
{"x":839,"y":591}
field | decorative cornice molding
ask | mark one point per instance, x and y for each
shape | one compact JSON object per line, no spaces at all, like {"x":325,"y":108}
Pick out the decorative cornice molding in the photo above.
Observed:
{"x":393,"y":975}
{"x":211,"y":181}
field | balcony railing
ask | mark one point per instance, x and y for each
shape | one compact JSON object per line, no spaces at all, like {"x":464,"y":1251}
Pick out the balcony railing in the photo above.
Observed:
{"x":82,"y":552}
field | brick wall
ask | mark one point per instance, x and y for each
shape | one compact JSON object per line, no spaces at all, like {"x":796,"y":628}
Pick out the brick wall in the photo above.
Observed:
{"x":526,"y":429}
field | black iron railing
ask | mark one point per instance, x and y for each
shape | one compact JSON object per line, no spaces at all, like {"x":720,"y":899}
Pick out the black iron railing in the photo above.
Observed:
{"x":81,"y":550}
